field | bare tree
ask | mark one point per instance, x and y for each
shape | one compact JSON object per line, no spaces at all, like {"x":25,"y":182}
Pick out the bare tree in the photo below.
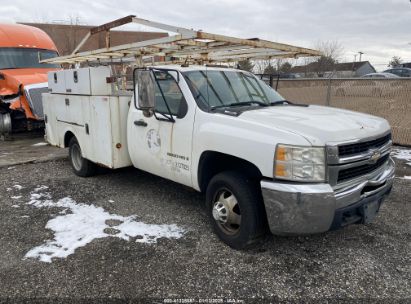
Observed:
{"x":395,"y":61}
{"x":332,"y":51}
{"x":261,"y":65}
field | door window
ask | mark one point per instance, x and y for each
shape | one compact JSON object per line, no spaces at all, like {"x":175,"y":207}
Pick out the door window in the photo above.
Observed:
{"x":168,"y":95}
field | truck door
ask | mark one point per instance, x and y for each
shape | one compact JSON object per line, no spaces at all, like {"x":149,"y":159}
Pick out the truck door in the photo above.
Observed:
{"x":161,"y":144}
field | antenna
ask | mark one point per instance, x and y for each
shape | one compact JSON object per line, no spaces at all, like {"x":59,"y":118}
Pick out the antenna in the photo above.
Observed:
{"x":361,"y":53}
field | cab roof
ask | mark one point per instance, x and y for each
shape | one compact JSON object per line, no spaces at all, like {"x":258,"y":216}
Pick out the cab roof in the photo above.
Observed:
{"x":24,"y":36}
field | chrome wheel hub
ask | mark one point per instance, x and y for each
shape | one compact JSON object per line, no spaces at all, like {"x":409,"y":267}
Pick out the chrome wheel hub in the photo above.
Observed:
{"x":220,"y":212}
{"x":226,"y":212}
{"x":76,"y":157}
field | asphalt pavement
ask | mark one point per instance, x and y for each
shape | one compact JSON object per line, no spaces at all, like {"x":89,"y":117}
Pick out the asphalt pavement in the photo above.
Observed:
{"x":129,"y":236}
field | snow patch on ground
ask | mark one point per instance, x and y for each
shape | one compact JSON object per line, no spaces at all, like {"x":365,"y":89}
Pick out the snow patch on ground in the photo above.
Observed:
{"x":79,"y":224}
{"x":16,"y":197}
{"x":17,"y":187}
{"x":402,"y":153}
{"x":40,"y":188}
{"x":40,"y":144}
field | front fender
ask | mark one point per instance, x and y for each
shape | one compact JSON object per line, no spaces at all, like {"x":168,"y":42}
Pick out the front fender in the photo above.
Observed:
{"x":237,"y":137}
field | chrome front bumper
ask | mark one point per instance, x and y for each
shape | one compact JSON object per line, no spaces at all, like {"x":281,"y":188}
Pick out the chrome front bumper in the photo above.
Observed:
{"x":314,"y":208}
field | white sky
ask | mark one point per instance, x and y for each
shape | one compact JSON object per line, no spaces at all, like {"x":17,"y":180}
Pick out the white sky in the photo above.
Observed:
{"x":379,"y":28}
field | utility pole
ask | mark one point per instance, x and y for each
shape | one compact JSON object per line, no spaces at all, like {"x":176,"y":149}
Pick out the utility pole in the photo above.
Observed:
{"x":361,"y":53}
{"x":355,"y":55}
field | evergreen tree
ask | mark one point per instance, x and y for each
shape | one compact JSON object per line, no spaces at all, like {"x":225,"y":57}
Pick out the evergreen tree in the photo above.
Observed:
{"x":285,"y":67}
{"x":270,"y":70}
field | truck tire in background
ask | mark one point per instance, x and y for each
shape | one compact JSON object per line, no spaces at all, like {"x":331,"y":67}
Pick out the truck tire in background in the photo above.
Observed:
{"x":235,"y":207}
{"x":81,"y":166}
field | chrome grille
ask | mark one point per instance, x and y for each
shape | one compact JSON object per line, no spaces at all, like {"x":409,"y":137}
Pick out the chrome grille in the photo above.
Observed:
{"x":356,"y":148}
{"x":35,"y":99}
{"x":359,"y":160}
{"x":357,"y":171}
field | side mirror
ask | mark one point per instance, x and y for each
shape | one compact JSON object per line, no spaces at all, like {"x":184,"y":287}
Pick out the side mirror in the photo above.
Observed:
{"x":146,"y":92}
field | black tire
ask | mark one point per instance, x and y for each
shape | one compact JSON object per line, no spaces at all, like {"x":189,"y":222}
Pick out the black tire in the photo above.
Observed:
{"x":247,"y":194}
{"x":81,"y":166}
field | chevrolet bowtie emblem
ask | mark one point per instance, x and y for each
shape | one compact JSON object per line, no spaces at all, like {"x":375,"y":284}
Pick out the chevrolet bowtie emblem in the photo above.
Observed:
{"x":375,"y":156}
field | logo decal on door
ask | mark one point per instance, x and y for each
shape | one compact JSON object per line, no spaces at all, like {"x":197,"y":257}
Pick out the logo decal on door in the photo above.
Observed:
{"x":153,"y":141}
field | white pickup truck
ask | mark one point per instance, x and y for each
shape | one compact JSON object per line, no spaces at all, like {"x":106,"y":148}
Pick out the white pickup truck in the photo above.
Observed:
{"x":264,"y":163}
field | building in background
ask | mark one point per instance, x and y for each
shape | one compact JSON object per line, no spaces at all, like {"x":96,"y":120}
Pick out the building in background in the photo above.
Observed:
{"x":405,"y":65}
{"x":67,"y":36}
{"x":339,"y":70}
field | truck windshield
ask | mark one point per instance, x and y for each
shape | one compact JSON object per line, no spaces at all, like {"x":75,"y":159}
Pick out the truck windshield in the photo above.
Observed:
{"x":20,"y":58}
{"x":217,"y":89}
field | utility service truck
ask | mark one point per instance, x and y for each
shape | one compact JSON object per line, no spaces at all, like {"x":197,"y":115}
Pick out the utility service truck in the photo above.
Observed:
{"x":264,"y":163}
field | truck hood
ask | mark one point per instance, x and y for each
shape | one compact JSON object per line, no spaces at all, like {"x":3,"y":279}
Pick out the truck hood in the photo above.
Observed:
{"x":319,"y":125}
{"x":16,"y":77}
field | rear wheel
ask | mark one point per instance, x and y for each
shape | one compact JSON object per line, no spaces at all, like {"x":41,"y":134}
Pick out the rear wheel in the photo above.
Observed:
{"x":81,"y":166}
{"x":235,"y":208}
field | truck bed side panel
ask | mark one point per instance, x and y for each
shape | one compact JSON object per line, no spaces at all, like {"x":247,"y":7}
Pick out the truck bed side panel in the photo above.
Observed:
{"x":98,"y":122}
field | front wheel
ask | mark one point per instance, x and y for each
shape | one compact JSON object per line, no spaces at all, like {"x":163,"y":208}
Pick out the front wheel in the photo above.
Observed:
{"x":81,"y":166}
{"x":235,"y":207}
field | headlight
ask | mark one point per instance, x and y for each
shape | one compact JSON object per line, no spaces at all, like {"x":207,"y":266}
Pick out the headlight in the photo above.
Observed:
{"x":298,"y":163}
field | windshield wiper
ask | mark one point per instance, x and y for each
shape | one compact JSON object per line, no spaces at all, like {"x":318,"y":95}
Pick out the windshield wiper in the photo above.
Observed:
{"x":279,"y":102}
{"x":243,"y":103}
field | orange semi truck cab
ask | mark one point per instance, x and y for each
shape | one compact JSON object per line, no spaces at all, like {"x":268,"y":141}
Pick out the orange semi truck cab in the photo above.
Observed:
{"x":22,"y":78}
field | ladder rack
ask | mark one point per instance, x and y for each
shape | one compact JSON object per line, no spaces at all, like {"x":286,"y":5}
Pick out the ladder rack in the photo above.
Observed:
{"x":186,"y":46}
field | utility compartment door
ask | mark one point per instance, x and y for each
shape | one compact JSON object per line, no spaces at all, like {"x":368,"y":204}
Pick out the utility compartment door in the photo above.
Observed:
{"x":72,"y":109}
{"x":57,"y":82}
{"x":100,"y":131}
{"x":107,"y":128}
{"x":78,"y":81}
{"x":118,"y":116}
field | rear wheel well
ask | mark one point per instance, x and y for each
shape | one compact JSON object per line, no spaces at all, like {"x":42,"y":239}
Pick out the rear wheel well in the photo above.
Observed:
{"x":67,"y":137}
{"x":212,"y":163}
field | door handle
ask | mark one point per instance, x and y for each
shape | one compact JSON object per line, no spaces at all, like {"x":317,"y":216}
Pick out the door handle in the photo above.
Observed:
{"x":140,"y":123}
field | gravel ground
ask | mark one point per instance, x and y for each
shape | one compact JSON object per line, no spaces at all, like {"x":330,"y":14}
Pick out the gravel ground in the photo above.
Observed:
{"x":361,"y":263}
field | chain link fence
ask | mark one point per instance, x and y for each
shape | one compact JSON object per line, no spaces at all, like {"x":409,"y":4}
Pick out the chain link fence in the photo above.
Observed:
{"x":388,"y":98}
